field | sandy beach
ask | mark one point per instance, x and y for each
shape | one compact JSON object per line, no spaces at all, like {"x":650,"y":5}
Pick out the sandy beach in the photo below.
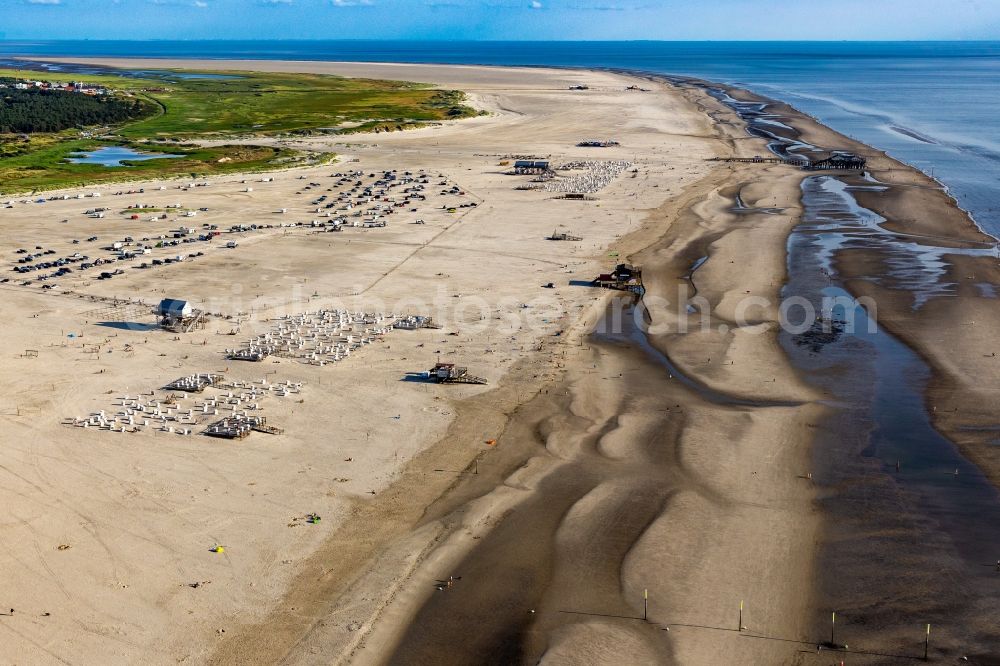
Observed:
{"x":658,"y":480}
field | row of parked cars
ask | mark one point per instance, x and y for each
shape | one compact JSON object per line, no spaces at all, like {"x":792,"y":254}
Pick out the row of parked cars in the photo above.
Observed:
{"x":169,"y":260}
{"x":61,"y":265}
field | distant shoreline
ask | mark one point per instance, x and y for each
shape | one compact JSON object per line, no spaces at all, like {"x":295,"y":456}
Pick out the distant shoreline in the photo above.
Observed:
{"x":584,"y":55}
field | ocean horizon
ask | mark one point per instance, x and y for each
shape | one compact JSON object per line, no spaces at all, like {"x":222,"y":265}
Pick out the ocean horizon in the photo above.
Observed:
{"x":929,"y":104}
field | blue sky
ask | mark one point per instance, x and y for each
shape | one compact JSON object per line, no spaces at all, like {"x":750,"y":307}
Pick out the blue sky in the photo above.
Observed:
{"x":500,"y":19}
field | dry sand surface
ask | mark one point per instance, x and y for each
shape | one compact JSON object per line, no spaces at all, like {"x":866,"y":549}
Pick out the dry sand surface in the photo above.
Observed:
{"x":517,"y":522}
{"x":140,"y":511}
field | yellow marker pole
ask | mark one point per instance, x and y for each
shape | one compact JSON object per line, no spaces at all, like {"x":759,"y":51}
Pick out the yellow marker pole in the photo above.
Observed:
{"x":833,"y":625}
{"x":739,"y":627}
{"x":645,"y":603}
{"x":927,"y":640}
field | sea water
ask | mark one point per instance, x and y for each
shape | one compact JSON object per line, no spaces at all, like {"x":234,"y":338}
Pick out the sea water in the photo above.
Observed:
{"x":930,"y":104}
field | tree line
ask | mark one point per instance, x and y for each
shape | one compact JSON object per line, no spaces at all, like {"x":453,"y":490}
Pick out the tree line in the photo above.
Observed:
{"x":34,"y":110}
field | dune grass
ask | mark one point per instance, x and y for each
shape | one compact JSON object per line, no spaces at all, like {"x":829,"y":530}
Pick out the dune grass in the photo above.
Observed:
{"x":289,"y":103}
{"x":246,"y":104}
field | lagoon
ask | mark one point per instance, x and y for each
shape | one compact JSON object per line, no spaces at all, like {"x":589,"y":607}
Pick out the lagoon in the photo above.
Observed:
{"x":115,"y":156}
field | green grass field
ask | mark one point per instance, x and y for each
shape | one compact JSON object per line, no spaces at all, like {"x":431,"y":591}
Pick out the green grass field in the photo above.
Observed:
{"x":289,"y":103}
{"x":46,"y":167}
{"x":247,"y":104}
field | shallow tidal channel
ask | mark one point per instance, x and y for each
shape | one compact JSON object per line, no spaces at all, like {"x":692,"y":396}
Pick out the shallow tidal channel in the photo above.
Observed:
{"x":907,"y":511}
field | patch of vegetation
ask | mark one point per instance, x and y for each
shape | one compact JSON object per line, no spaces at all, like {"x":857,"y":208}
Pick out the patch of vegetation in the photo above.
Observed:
{"x":268,"y":104}
{"x":32,"y":111}
{"x":47,"y":167}
{"x":178,"y":110}
{"x":15,"y":145}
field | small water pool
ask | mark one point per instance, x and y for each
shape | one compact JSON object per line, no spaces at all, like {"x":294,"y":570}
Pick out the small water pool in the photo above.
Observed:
{"x":114,"y":156}
{"x":166,"y":74}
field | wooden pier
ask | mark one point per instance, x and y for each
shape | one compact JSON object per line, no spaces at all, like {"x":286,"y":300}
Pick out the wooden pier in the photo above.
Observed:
{"x":449,"y":373}
{"x":562,"y":237}
{"x":754,"y":160}
{"x":624,"y":277}
{"x":836,"y":161}
{"x":531,"y":167}
{"x":839,"y":161}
